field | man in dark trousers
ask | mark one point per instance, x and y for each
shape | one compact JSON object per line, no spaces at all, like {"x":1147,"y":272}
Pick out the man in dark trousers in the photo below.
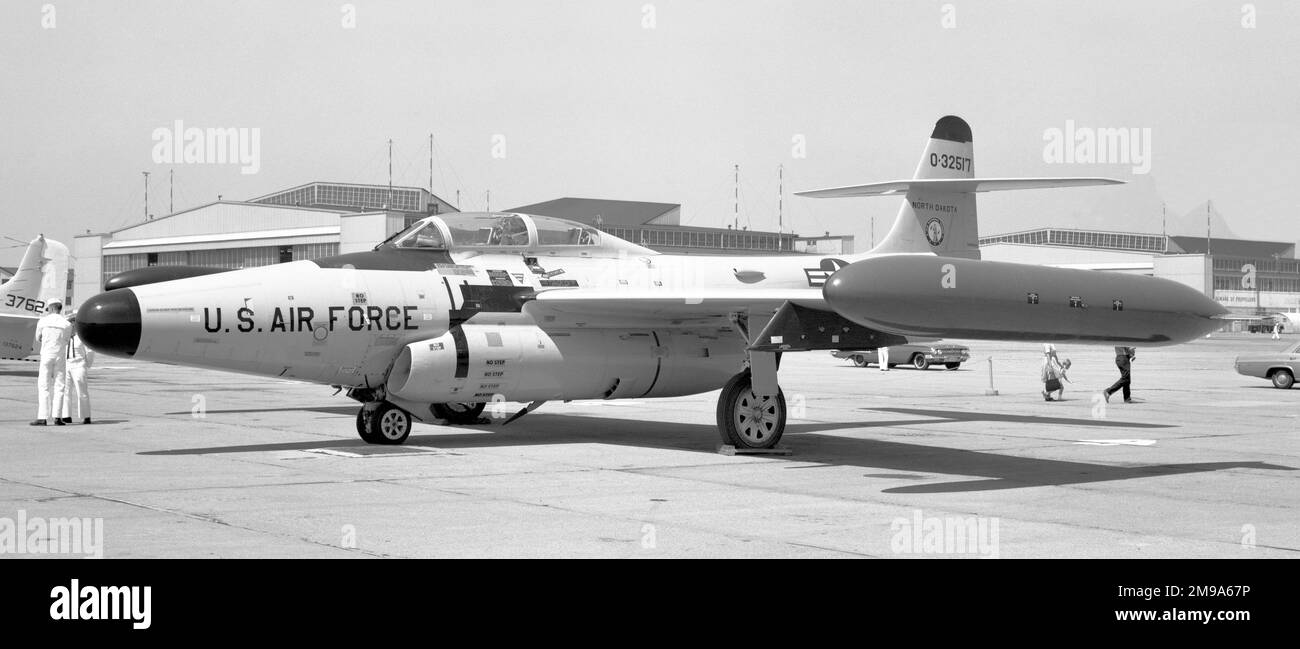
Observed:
{"x":1124,"y":361}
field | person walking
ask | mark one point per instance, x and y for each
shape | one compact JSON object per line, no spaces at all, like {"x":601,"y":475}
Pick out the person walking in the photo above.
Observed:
{"x":1277,"y":331}
{"x":52,"y":333}
{"x":76,"y":397}
{"x":1124,"y":361}
{"x":883,"y":355}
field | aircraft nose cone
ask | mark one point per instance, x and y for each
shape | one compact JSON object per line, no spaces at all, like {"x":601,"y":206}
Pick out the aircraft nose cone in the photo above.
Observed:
{"x":110,"y":322}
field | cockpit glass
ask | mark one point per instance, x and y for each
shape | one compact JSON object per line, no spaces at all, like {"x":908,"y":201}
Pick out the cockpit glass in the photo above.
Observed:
{"x":487,"y":230}
{"x":422,"y":235}
{"x":507,"y":230}
{"x":565,"y":233}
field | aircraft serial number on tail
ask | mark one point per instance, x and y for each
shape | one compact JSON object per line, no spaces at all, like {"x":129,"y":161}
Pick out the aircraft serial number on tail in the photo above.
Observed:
{"x":303,"y":318}
{"x":950,"y":162}
{"x":24,"y":303}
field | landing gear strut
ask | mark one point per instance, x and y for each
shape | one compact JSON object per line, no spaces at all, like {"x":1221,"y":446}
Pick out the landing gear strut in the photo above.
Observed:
{"x":383,"y":423}
{"x":747,"y":420}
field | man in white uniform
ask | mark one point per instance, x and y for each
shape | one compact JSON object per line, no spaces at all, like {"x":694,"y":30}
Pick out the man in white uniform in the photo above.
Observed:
{"x":76,"y":400}
{"x":883,"y":355}
{"x":52,"y":333}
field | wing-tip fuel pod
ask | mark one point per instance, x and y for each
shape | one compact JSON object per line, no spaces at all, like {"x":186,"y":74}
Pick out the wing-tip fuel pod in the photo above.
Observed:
{"x":927,"y":295}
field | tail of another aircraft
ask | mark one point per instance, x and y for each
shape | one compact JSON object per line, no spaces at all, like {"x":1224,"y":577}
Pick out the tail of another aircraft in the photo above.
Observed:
{"x":938,"y":214}
{"x":42,"y":276}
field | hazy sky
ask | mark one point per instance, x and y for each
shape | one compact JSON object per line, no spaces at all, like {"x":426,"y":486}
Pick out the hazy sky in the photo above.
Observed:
{"x":652,"y":100}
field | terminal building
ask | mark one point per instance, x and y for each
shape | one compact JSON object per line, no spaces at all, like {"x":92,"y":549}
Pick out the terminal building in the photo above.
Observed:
{"x":1247,"y":277}
{"x":320,"y":219}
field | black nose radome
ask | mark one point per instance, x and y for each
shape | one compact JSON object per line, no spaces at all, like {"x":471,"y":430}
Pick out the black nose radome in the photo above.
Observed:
{"x":110,"y":322}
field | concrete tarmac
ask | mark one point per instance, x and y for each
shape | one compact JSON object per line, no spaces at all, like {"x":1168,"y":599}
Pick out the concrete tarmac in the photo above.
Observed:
{"x":182,"y":462}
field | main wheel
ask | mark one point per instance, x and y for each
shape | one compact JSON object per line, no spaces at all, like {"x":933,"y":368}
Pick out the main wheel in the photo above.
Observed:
{"x":746,"y":420}
{"x":458,"y":413}
{"x":919,"y":362}
{"x":952,"y":366}
{"x":860,"y":360}
{"x":387,"y":424}
{"x":1283,"y":379}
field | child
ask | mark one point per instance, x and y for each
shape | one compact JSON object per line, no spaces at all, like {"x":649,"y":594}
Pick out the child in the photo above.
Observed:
{"x":1053,"y":373}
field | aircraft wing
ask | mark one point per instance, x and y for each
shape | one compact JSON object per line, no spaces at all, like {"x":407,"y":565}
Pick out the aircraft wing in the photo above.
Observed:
{"x":661,"y":307}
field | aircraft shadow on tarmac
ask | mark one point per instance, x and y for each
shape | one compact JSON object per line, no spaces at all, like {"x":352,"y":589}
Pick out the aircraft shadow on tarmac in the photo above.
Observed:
{"x":329,"y":410}
{"x":998,"y":471}
{"x":948,"y":416}
{"x":31,"y":374}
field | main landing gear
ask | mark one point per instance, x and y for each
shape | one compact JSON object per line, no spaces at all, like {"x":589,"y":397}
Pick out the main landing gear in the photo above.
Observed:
{"x":751,"y":407}
{"x":747,"y":420}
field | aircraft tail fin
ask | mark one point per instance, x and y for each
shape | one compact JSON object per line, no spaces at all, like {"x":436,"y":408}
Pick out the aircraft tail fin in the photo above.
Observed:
{"x":938,"y":214}
{"x":42,"y":276}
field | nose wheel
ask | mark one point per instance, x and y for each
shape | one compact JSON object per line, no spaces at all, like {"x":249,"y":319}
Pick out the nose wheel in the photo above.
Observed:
{"x":383,"y":424}
{"x":747,"y":420}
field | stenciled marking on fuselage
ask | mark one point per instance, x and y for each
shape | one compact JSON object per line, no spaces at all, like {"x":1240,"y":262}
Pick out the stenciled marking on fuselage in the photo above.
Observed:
{"x":934,"y":207}
{"x":304,"y":319}
{"x":20,"y":303}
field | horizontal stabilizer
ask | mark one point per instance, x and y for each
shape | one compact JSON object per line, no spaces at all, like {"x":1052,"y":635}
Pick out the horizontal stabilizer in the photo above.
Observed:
{"x":954,"y":186}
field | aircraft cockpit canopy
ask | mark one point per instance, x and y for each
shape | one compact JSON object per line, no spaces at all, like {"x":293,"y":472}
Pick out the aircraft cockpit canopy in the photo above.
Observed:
{"x":423,"y":234}
{"x":465,"y":231}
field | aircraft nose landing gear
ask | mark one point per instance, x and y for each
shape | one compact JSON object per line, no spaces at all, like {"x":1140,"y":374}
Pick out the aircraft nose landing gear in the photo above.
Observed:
{"x":747,"y":420}
{"x":383,"y":423}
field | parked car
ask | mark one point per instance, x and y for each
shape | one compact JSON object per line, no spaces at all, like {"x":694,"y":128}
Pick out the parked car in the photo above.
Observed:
{"x":920,"y":356}
{"x":1281,"y":366}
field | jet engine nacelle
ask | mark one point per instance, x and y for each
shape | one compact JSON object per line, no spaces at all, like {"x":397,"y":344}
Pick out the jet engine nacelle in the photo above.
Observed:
{"x":482,"y":363}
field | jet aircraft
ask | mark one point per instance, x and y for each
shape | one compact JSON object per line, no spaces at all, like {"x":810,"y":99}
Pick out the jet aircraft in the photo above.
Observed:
{"x":42,"y":276}
{"x":461,"y":310}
